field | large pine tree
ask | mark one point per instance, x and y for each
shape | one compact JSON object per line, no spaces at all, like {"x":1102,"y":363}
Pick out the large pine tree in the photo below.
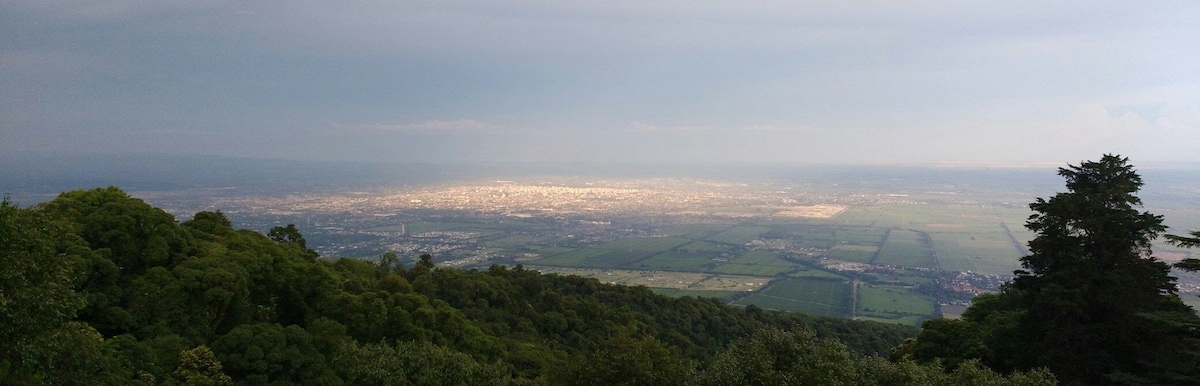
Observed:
{"x":1091,"y":303}
{"x":1096,"y":297}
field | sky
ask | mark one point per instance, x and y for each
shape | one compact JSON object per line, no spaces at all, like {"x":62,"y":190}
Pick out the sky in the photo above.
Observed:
{"x":681,"y":82}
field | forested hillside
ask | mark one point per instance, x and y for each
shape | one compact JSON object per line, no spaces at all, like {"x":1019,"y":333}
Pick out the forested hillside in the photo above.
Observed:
{"x":98,"y":287}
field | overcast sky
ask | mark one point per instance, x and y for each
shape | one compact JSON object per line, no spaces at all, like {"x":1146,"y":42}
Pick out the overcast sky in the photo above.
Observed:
{"x":680,"y":81}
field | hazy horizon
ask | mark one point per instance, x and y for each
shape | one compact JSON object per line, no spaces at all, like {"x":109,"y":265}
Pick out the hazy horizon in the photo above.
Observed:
{"x":859,"y":82}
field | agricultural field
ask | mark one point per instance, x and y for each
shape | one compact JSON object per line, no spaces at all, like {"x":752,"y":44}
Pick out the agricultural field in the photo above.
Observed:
{"x":853,"y":253}
{"x":810,"y":296}
{"x":757,"y":263}
{"x":816,"y":274}
{"x":680,"y":261}
{"x":987,"y":253}
{"x":694,"y":231}
{"x":573,"y":258}
{"x":597,"y":258}
{"x":547,"y":251}
{"x":645,"y":244}
{"x":719,"y":260}
{"x":862,"y":217}
{"x":738,"y":235}
{"x":906,"y":248}
{"x":513,"y":242}
{"x":811,"y":236}
{"x":861,"y":235}
{"x":893,"y":304}
{"x":704,"y":246}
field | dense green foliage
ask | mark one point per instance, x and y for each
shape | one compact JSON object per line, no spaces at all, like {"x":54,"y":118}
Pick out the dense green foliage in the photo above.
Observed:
{"x":772,"y":357}
{"x":97,"y":287}
{"x":1092,"y":304}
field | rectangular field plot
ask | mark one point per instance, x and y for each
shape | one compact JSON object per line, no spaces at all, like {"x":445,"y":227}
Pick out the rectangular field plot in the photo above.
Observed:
{"x":571,"y":259}
{"x":905,"y":248}
{"x":680,"y":261}
{"x":953,"y":257}
{"x":752,"y":270}
{"x":513,"y":242}
{"x":694,"y":231}
{"x":704,"y":246}
{"x":806,"y":236}
{"x":853,"y":253}
{"x":810,"y":296}
{"x":898,"y":304}
{"x":858,"y":216}
{"x":762,"y":258}
{"x":547,"y":251}
{"x":757,"y":263}
{"x":983,"y":253}
{"x":819,"y":243}
{"x":817,"y":274}
{"x":597,"y":258}
{"x":645,"y":243}
{"x":738,"y":235}
{"x":861,"y":236}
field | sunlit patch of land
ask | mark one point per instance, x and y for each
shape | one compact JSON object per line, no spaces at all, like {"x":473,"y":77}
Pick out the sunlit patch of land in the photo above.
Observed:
{"x":812,"y":211}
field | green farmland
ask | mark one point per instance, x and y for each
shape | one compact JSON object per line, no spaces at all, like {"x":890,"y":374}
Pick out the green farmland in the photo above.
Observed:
{"x":806,"y":280}
{"x":906,"y":248}
{"x":738,"y":235}
{"x":897,"y":247}
{"x":810,"y":296}
{"x":893,"y":304}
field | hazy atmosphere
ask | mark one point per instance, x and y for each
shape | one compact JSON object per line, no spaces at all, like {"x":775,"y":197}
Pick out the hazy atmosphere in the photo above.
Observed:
{"x":673,"y":82}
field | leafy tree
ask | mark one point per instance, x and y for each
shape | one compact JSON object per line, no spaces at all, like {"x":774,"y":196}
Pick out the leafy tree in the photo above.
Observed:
{"x":415,"y":363}
{"x":133,"y":234}
{"x":626,"y":360}
{"x":200,"y":367}
{"x":38,"y":261}
{"x":271,"y":354}
{"x":287,"y":234}
{"x":290,"y":235}
{"x":775,"y":357}
{"x":214,"y":223}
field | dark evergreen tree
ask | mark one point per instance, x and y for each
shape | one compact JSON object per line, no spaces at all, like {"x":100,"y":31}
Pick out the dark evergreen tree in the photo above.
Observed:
{"x":1092,"y":283}
{"x":1092,"y":303}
